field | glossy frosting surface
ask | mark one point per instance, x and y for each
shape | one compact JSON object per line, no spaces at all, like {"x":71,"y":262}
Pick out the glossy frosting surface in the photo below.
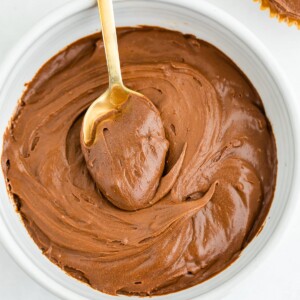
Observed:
{"x":220,"y":145}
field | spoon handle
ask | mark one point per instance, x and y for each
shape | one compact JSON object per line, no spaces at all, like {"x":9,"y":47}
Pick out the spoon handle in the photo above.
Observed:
{"x":110,"y":42}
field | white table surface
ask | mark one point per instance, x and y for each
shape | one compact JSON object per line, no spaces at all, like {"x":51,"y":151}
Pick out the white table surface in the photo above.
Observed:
{"x":278,"y":277}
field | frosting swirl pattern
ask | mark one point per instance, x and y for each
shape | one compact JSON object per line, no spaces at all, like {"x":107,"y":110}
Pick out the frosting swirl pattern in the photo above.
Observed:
{"x":208,"y":212}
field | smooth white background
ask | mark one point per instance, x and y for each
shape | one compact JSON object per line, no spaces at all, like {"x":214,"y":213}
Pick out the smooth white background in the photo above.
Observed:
{"x":278,"y":277}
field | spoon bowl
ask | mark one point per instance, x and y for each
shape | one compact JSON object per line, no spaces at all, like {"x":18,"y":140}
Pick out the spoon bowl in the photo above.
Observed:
{"x":109,"y":102}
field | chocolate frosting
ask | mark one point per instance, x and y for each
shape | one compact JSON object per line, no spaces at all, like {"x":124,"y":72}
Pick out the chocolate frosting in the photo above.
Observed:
{"x":127,"y":158}
{"x":221,"y":157}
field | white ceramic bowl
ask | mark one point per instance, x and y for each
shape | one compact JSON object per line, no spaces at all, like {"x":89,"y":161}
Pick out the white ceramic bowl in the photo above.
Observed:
{"x":80,"y":18}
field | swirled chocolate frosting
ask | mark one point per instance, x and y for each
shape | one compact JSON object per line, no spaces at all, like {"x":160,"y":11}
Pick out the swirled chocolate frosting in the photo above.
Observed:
{"x":208,"y":201}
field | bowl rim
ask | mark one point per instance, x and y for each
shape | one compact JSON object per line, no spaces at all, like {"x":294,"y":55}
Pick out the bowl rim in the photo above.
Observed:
{"x":239,"y":30}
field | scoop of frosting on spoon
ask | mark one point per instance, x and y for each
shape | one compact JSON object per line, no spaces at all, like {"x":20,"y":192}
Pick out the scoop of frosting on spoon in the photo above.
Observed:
{"x":123,"y":138}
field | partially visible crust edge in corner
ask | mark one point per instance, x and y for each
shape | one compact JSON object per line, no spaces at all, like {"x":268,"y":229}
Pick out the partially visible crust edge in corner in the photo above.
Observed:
{"x":290,"y":21}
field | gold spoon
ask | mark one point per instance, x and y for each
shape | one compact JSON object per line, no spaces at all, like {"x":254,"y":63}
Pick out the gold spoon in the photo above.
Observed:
{"x":136,"y":124}
{"x":117,"y":93}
